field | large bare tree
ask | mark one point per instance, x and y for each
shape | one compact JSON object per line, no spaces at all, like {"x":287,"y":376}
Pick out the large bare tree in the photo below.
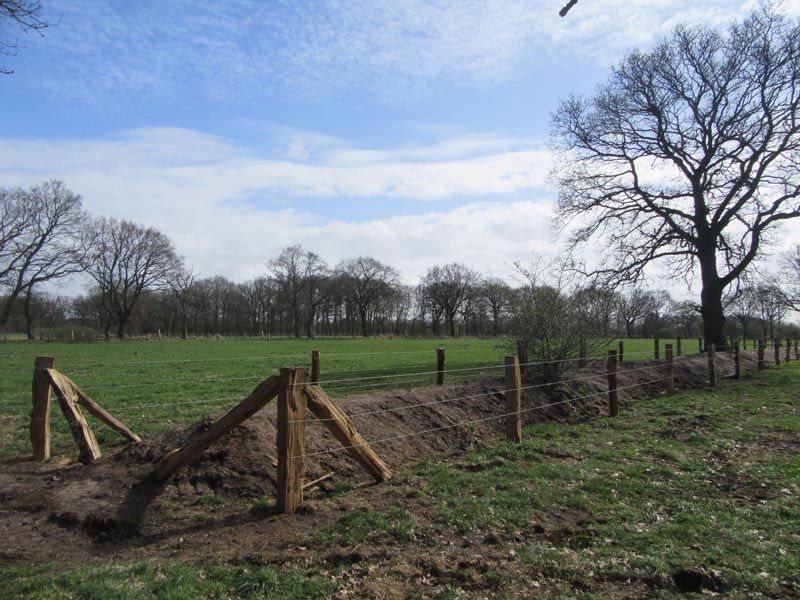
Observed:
{"x":690,"y":153}
{"x":40,"y":238}
{"x":125,"y":260}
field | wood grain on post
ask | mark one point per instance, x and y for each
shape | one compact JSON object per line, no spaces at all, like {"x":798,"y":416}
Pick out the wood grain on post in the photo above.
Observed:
{"x":678,"y":345}
{"x":621,"y":354}
{"x":40,"y":411}
{"x":513,"y":397}
{"x":315,"y":366}
{"x":760,"y":355}
{"x":88,"y":450}
{"x":291,"y":438}
{"x":441,"y":364}
{"x":656,"y":351}
{"x":342,"y":428}
{"x":522,"y":354}
{"x":258,"y":399}
{"x":613,"y":398}
{"x":776,"y":346}
{"x":669,"y":368}
{"x":737,"y":361}
{"x":712,"y":365}
{"x":60,"y":380}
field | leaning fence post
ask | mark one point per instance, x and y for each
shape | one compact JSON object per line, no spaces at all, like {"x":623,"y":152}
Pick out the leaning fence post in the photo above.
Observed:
{"x":522,"y":353}
{"x":40,"y":413}
{"x":788,"y":355}
{"x":776,"y":346}
{"x":668,"y":363}
{"x":582,"y":353}
{"x":613,"y":398}
{"x":291,"y":438}
{"x":656,"y":351}
{"x":678,"y":345}
{"x":712,"y":365}
{"x":621,"y":353}
{"x":440,"y":366}
{"x":315,"y":366}
{"x":760,"y":355}
{"x":513,"y":396}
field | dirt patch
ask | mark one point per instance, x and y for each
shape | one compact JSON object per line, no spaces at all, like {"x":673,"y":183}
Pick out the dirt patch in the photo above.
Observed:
{"x":684,"y":428}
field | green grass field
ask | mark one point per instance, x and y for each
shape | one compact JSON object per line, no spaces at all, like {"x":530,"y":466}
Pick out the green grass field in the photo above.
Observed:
{"x":153,"y":384}
{"x":693,"y":492}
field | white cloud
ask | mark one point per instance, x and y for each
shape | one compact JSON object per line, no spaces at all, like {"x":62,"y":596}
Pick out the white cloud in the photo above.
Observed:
{"x":209,"y":196}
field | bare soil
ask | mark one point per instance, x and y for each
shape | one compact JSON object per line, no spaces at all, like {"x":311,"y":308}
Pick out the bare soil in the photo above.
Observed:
{"x":210,"y":512}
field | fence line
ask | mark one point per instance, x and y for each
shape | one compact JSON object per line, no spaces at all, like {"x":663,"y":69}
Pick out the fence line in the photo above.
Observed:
{"x":469,"y":422}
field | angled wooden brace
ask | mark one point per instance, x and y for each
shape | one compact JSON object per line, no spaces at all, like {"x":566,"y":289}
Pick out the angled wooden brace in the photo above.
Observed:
{"x":258,"y":399}
{"x":81,"y":433}
{"x":340,"y":425}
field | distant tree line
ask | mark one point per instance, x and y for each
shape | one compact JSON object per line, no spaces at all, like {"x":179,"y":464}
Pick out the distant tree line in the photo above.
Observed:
{"x":139,"y":285}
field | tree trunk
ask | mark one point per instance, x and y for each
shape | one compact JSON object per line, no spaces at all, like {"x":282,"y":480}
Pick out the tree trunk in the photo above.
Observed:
{"x":122,"y":320}
{"x":28,"y":317}
{"x":711,"y":301}
{"x":363,"y":314}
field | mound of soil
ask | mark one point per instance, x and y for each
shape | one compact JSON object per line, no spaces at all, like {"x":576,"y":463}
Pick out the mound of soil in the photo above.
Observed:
{"x":112,"y":507}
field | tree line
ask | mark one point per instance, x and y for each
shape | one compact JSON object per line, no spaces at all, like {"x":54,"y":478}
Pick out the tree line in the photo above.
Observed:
{"x":138,"y":284}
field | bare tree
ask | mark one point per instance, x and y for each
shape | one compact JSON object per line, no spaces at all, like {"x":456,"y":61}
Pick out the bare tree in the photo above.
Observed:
{"x":125,"y":260}
{"x":744,"y":308}
{"x":40,"y":238}
{"x":448,"y":287}
{"x":497,"y":294}
{"x":367,"y":281}
{"x":180,"y":284}
{"x":772,"y":306}
{"x":690,"y":152}
{"x":25,"y":15}
{"x":299,"y":274}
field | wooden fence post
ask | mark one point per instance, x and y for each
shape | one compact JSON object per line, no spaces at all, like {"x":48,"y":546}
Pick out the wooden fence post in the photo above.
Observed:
{"x":513,"y":396}
{"x":522,"y":353}
{"x":441,"y":364}
{"x":712,"y":365}
{"x":737,"y":361}
{"x":788,"y":355}
{"x":744,"y":342}
{"x":678,"y":345}
{"x":776,"y":346}
{"x":668,"y":359}
{"x":760,"y":355}
{"x":621,"y":354}
{"x":613,"y":398}
{"x":40,"y":413}
{"x":700,"y":345}
{"x":582,"y":353}
{"x":315,"y":366}
{"x":656,"y":350}
{"x":796,"y":350}
{"x":291,"y":438}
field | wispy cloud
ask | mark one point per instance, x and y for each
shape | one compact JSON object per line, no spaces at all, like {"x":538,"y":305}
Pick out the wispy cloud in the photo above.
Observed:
{"x":197,"y":164}
{"x":391,"y":49}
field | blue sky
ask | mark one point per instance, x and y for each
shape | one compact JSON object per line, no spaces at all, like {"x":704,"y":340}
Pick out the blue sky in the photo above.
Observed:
{"x":412,"y":131}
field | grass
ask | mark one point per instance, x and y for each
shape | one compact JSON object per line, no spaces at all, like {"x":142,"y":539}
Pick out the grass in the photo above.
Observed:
{"x":697,"y":489}
{"x":704,"y":482}
{"x":171,"y":580}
